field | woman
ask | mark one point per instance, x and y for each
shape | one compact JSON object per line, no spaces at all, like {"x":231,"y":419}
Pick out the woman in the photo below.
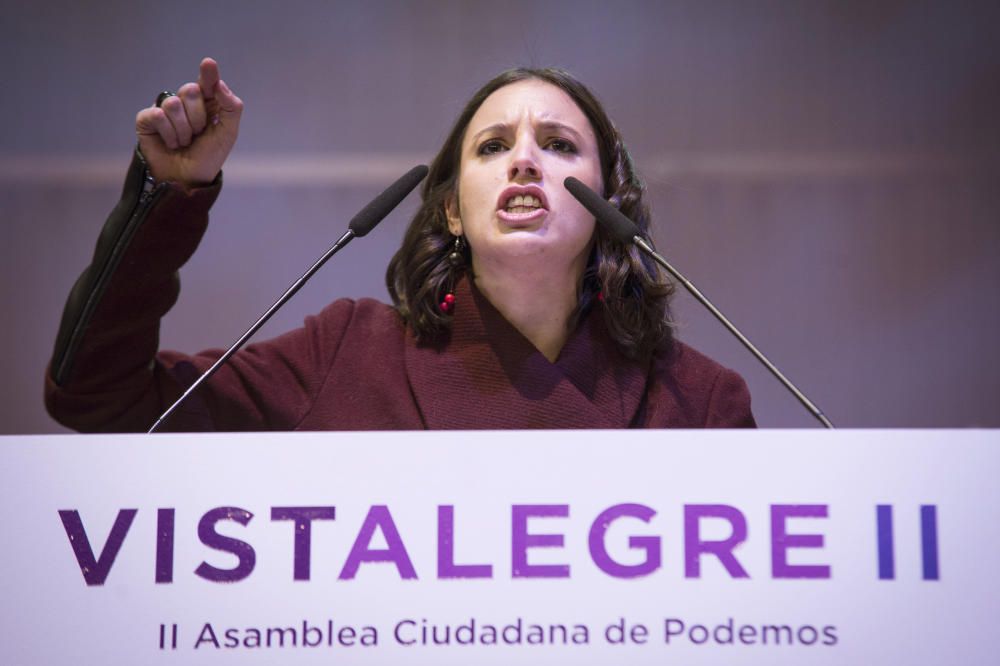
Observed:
{"x":512,"y":310}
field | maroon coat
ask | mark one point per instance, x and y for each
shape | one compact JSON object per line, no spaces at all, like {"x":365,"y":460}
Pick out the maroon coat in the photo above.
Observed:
{"x":354,"y":366}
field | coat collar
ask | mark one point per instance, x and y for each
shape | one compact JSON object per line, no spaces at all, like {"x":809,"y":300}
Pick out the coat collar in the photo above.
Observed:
{"x":486,"y":374}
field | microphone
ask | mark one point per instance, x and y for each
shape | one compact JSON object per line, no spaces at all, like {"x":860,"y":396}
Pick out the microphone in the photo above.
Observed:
{"x":360,"y":225}
{"x":383,"y":204}
{"x":624,"y":230}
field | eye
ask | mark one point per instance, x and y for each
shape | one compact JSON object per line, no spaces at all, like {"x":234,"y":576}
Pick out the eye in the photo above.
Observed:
{"x":490,"y":147}
{"x":562,"y":146}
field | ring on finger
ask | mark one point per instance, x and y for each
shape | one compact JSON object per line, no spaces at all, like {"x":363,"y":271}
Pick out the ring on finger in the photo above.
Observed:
{"x":163,"y":96}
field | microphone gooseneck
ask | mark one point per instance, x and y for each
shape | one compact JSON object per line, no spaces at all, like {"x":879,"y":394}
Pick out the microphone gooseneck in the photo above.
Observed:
{"x":624,"y":230}
{"x":360,"y":225}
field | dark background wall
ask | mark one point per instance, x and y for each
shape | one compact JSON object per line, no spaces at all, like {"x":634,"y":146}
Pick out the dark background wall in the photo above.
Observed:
{"x":827,"y":172}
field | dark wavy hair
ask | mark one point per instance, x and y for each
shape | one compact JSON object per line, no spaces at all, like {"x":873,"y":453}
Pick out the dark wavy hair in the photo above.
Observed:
{"x":630,"y":288}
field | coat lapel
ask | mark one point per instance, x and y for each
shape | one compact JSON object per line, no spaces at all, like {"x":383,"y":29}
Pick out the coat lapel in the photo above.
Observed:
{"x":487,"y":375}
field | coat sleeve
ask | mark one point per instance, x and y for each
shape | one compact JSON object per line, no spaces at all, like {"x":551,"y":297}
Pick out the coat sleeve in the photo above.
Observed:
{"x":729,"y":402}
{"x":106,"y":374}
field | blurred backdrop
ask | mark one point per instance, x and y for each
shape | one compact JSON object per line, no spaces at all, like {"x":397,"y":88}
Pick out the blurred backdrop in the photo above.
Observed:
{"x":827,"y":172}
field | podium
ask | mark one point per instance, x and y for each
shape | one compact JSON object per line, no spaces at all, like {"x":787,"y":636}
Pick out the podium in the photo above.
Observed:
{"x":542,"y":547}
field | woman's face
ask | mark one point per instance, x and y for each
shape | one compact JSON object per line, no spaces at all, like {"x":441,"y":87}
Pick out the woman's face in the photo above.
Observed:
{"x":520,"y":145}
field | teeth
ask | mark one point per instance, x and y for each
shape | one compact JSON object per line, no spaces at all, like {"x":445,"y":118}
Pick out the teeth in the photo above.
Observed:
{"x":523,"y":203}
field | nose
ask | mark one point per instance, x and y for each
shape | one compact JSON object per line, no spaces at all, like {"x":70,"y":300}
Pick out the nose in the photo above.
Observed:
{"x":523,"y":163}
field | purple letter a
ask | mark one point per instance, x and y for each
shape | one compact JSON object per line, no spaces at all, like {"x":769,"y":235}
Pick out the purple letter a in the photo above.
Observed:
{"x":378,"y":517}
{"x":95,"y":571}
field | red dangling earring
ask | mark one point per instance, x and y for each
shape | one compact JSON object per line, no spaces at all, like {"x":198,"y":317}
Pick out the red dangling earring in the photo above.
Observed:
{"x":456,"y":260}
{"x":448,"y":304}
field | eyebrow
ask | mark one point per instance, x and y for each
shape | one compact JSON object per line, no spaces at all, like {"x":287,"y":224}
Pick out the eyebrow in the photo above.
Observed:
{"x":545,"y":125}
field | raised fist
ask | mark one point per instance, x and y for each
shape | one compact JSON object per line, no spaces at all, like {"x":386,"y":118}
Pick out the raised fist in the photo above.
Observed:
{"x":188,"y":137}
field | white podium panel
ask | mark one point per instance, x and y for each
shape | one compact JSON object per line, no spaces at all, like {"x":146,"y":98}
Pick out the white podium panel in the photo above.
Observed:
{"x":594,"y":547}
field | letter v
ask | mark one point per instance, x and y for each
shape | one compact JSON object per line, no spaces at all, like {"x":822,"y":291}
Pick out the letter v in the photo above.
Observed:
{"x":95,"y":571}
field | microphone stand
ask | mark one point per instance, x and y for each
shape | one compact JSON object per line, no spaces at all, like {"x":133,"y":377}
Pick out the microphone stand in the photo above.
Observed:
{"x":348,"y":236}
{"x":625,"y":231}
{"x":360,"y":225}
{"x":701,"y":298}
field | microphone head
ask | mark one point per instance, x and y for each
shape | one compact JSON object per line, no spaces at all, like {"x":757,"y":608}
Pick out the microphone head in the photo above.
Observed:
{"x":382,"y":205}
{"x":612,"y":219}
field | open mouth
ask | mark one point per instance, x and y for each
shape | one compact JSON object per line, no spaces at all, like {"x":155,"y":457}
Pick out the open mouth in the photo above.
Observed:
{"x":523,"y":203}
{"x":520,"y":205}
